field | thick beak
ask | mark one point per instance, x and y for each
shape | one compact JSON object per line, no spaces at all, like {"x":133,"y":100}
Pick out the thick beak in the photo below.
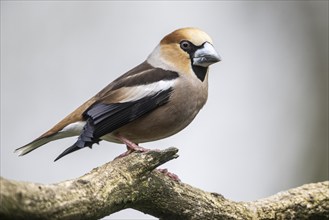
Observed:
{"x":206,"y":56}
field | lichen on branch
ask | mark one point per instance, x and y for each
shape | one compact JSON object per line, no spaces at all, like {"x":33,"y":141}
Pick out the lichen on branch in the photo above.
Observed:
{"x":133,"y":182}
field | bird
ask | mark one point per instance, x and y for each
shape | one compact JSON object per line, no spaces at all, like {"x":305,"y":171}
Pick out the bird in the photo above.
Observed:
{"x":154,"y":100}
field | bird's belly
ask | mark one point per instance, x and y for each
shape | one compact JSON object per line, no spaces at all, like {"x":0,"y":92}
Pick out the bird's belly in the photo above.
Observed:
{"x":161,"y":123}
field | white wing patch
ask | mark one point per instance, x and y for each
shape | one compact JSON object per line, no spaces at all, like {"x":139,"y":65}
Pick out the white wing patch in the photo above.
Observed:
{"x":141,"y":91}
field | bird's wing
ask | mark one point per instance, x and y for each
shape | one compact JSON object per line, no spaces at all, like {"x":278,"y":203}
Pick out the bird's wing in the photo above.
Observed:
{"x":131,"y":96}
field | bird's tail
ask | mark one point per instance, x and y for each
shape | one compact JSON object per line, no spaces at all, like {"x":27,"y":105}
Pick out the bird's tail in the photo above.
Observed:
{"x":85,"y":139}
{"x":70,"y":126}
{"x":44,"y":139}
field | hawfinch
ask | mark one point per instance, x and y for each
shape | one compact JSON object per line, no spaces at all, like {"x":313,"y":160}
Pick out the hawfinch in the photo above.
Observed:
{"x":154,"y":100}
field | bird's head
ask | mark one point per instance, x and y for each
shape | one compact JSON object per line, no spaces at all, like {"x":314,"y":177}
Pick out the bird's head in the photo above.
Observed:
{"x":185,"y":50}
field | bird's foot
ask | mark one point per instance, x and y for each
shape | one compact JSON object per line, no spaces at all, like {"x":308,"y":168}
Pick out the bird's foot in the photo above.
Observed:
{"x":129,"y":151}
{"x":123,"y":154}
{"x":169,"y":174}
{"x":131,"y":147}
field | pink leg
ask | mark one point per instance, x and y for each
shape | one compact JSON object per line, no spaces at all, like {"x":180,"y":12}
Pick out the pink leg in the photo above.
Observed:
{"x":131,"y":146}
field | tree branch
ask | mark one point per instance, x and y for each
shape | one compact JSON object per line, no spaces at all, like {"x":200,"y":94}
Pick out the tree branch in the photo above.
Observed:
{"x":132,"y":182}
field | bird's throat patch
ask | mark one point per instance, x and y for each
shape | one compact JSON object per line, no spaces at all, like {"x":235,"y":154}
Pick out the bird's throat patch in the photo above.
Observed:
{"x":200,"y":72}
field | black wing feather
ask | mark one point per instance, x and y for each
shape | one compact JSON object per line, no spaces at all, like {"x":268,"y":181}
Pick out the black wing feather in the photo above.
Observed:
{"x":102,"y":118}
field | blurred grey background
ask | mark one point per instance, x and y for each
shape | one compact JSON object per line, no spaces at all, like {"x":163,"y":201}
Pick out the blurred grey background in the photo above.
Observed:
{"x":263,"y":130}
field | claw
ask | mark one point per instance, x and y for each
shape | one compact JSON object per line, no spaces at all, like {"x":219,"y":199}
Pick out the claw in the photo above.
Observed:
{"x":131,"y":146}
{"x":169,"y":174}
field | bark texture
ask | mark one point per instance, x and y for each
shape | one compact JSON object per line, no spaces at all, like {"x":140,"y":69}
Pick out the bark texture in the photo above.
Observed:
{"x":132,"y":182}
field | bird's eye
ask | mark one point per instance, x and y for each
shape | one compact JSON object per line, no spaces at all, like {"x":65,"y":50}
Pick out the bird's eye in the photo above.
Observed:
{"x":185,"y":45}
